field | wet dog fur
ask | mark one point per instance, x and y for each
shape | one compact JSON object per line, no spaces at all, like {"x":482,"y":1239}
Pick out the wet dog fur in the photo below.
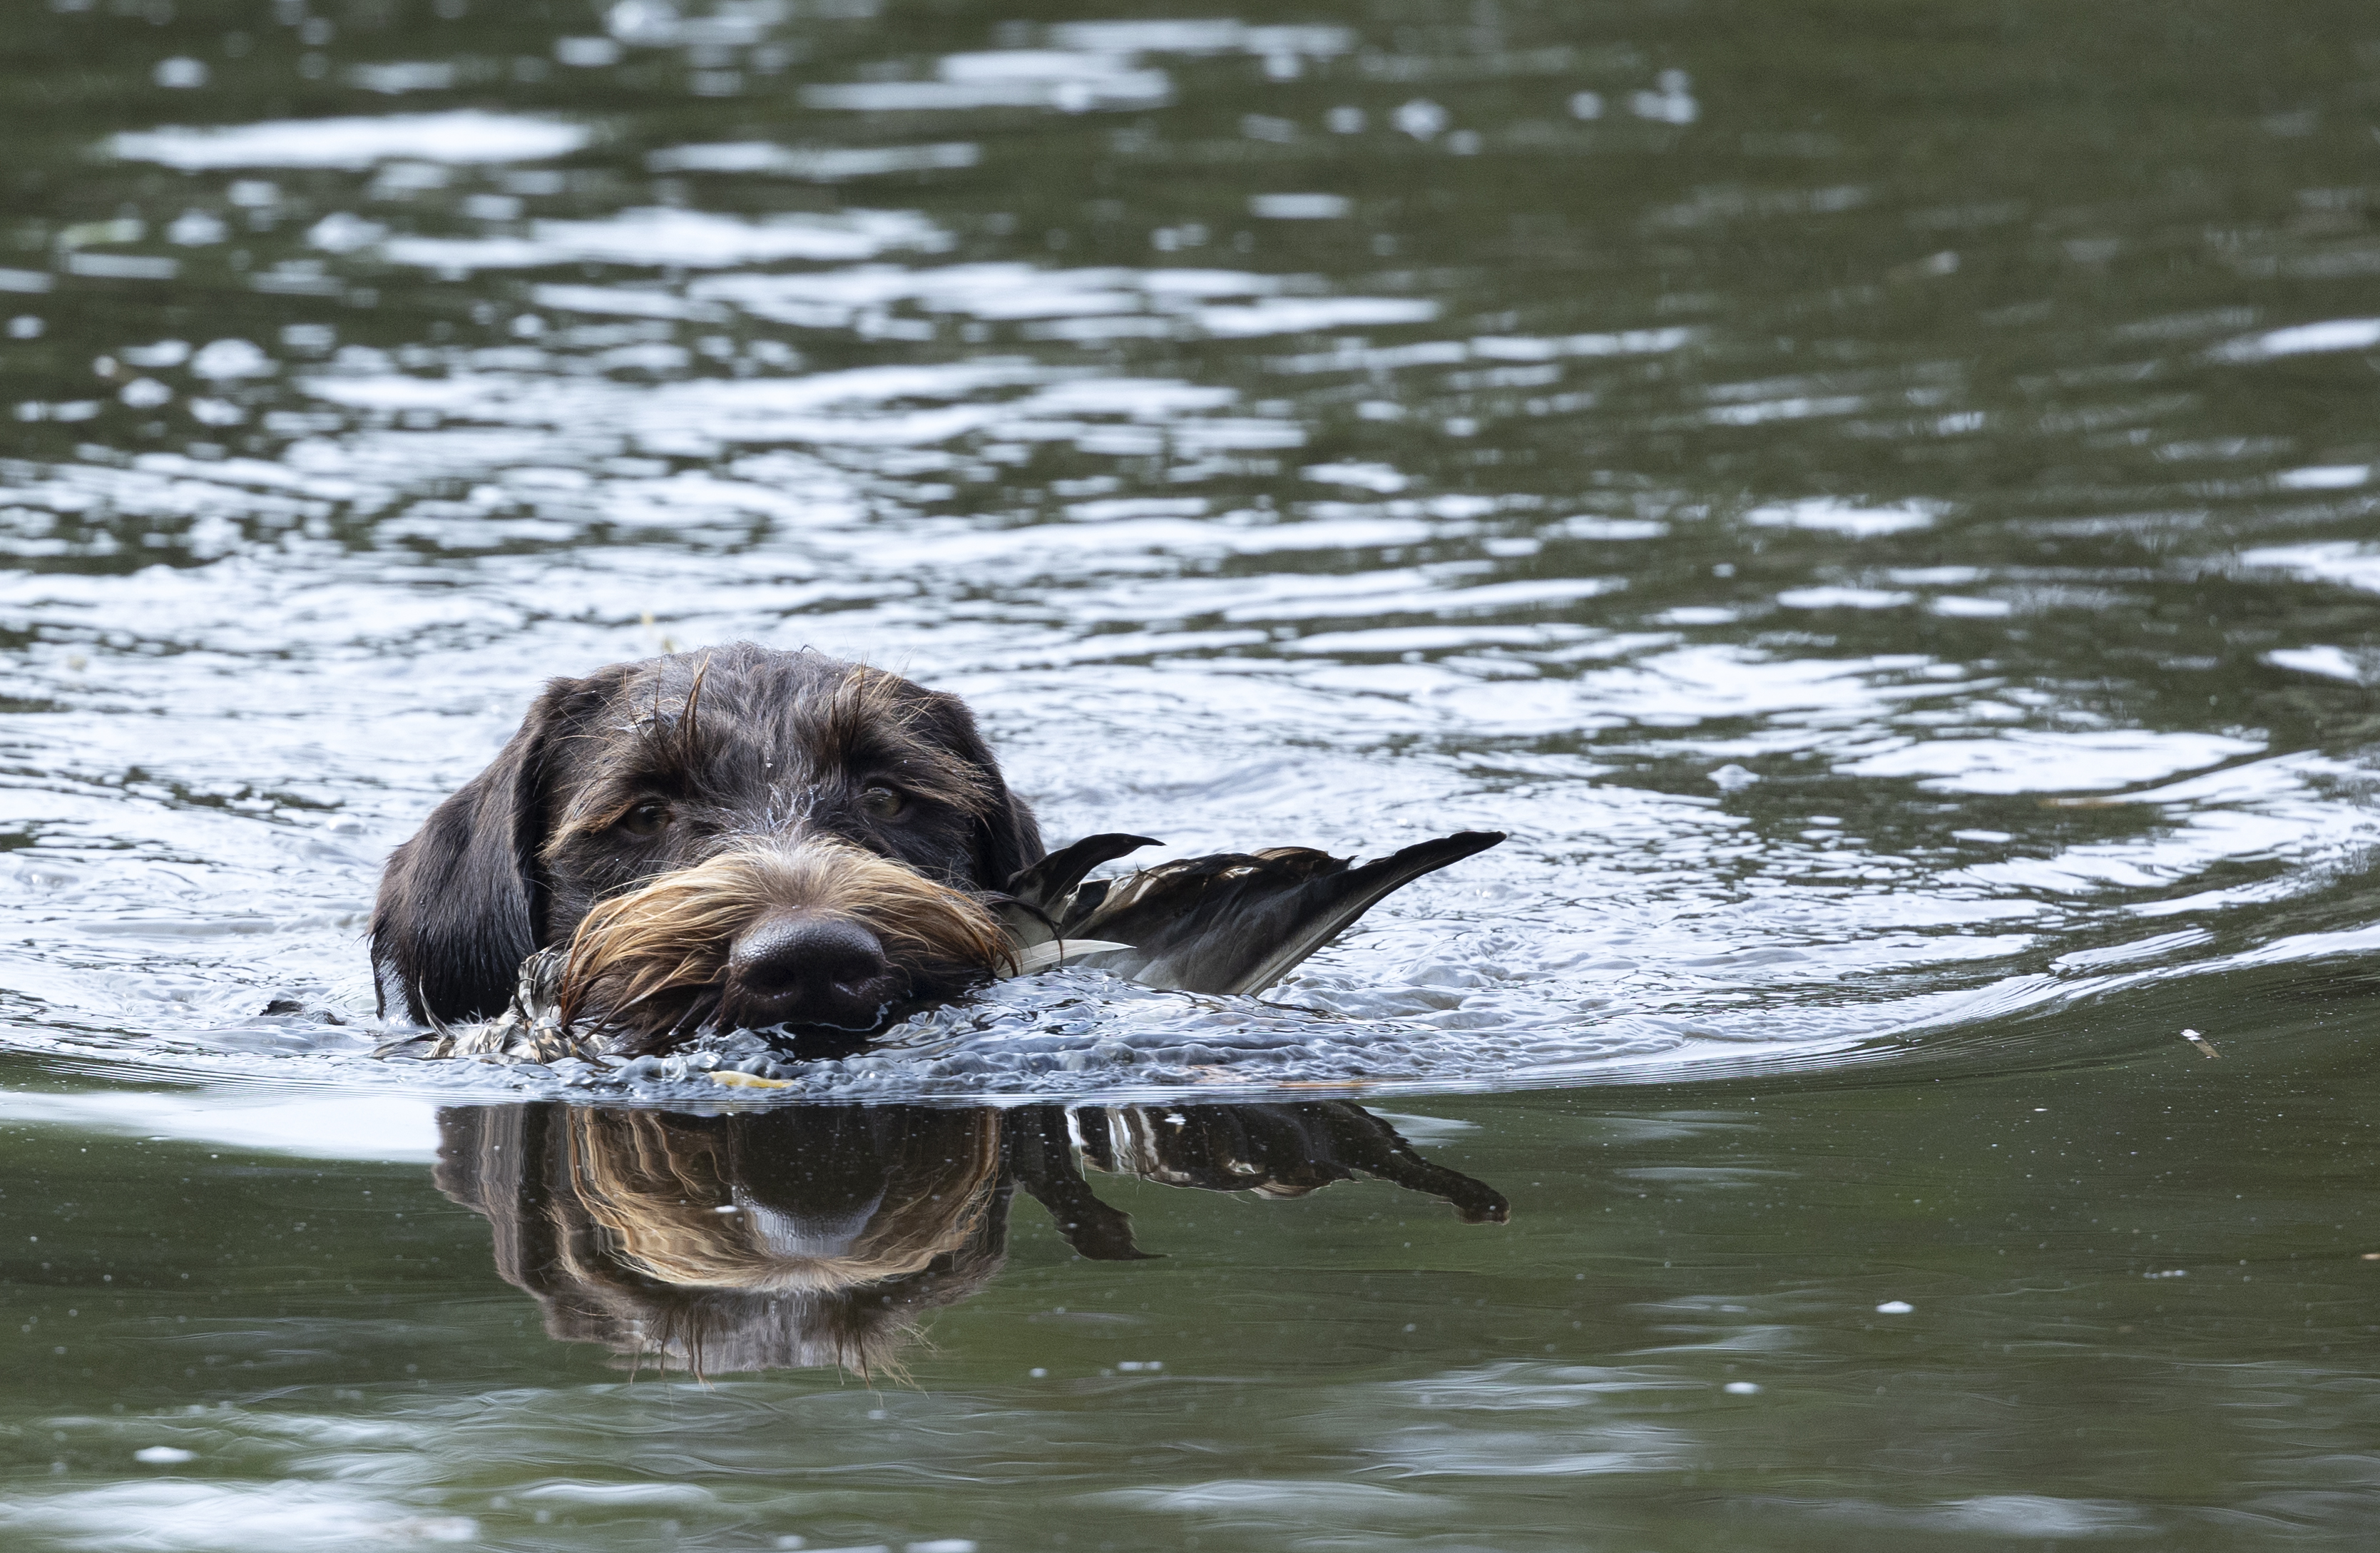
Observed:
{"x":739,"y":837}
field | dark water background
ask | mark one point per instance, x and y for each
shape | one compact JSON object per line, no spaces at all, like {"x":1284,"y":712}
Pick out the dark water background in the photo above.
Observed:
{"x":1878,"y":499}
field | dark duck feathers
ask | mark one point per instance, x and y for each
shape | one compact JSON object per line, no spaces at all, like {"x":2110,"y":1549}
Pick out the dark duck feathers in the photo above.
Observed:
{"x":1231,"y":922}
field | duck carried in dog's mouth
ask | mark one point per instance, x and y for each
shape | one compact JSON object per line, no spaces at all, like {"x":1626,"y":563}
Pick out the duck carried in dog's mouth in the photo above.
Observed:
{"x":757,"y":839}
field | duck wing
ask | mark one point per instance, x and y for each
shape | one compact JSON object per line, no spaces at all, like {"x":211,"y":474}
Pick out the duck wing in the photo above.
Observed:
{"x":1238,"y":922}
{"x":1039,"y":908}
{"x":1047,"y":884}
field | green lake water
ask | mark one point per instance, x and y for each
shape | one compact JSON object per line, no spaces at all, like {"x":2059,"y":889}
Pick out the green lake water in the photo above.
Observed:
{"x":1879,"y":501}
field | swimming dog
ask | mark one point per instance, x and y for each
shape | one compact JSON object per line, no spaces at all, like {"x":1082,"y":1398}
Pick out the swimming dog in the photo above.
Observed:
{"x":751,"y":838}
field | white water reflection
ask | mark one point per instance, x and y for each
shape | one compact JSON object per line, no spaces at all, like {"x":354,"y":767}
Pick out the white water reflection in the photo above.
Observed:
{"x":1071,"y":80}
{"x":2348,"y":562}
{"x":691,"y":239}
{"x":2330,"y":663}
{"x":462,"y":136}
{"x":815,"y":163}
{"x":315,"y":1125}
{"x":2304,"y":339}
{"x":1831,"y":515}
{"x":2027,"y":761}
{"x":178,"y":1515}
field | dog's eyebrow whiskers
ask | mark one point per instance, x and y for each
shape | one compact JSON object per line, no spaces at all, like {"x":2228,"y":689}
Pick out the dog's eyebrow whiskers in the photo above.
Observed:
{"x":864,"y":723}
{"x":687,"y":729}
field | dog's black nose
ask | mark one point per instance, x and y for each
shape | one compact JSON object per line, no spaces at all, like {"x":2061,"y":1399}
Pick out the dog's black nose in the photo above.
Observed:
{"x":807,"y":970}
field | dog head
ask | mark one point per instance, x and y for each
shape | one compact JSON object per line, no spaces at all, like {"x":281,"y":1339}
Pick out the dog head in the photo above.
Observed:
{"x":743,"y":836}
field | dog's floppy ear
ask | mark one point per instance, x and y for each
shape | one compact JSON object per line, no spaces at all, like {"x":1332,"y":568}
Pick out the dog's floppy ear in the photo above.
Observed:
{"x":1007,"y":838}
{"x":459,"y":906}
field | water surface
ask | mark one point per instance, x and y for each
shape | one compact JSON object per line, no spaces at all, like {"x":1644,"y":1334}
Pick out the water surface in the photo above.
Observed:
{"x":1879,"y":505}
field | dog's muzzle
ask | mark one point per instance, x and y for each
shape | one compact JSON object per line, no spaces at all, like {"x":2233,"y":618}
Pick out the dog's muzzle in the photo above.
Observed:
{"x":815,"y":934}
{"x":808,"y":970}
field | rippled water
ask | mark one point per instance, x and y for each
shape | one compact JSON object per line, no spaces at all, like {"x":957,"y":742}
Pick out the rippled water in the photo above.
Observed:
{"x":1881,"y":506}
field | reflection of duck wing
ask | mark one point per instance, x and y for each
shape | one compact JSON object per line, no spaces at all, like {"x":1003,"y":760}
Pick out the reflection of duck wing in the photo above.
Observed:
{"x":1234,"y":922}
{"x":1271,"y":1150}
{"x":1370,"y":1144}
{"x":1035,"y":1140}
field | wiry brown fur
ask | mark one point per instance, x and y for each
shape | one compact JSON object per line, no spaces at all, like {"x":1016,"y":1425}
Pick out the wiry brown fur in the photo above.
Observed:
{"x":859,"y":718}
{"x":652,"y":961}
{"x":865,"y":718}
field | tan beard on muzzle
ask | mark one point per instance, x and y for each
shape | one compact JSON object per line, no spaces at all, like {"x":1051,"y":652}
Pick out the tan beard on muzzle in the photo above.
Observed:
{"x":652,"y":963}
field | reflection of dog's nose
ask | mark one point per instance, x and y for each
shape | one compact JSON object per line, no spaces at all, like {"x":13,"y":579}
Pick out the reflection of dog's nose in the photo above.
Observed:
{"x":808,"y":970}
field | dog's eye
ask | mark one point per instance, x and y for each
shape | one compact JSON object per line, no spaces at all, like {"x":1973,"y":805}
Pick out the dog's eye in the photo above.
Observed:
{"x":883,"y":803}
{"x":645,"y":820}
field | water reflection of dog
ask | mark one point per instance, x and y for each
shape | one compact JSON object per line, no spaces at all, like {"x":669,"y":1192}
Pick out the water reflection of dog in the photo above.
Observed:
{"x":820,"y":1234}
